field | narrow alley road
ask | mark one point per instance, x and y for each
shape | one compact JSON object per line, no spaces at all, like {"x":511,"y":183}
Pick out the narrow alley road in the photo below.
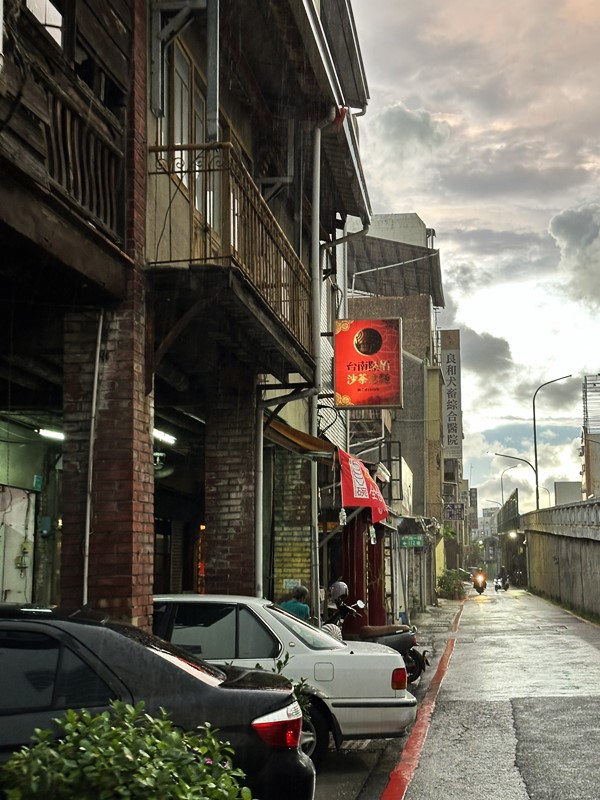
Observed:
{"x":513,"y":706}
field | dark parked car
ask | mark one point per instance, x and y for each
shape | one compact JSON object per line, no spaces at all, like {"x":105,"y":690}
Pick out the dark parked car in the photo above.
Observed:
{"x":51,"y":660}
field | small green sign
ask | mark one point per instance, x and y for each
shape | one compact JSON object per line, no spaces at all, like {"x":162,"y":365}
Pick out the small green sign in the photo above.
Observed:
{"x":38,"y":483}
{"x":412,"y":540}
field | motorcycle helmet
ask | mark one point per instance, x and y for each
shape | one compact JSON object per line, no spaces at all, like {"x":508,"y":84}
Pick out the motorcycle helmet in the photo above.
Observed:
{"x":339,"y":589}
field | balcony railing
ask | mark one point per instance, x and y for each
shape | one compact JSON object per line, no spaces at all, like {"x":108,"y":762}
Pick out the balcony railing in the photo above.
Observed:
{"x":85,"y":160}
{"x":204,"y":208}
{"x":62,"y":136}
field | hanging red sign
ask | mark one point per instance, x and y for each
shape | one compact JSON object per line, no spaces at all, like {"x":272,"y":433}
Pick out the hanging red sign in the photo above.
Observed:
{"x":359,"y":488}
{"x":368,"y":358}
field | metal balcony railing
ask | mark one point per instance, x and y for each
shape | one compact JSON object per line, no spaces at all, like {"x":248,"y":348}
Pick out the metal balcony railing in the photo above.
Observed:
{"x":204,"y":208}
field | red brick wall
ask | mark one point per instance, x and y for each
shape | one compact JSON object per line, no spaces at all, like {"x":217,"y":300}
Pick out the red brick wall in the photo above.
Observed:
{"x":122,"y":511}
{"x":229,"y":494}
{"x":122,"y":519}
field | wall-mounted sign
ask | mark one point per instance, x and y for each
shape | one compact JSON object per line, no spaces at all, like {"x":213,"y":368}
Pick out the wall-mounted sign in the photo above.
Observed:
{"x":451,"y":394}
{"x":368,"y":363}
{"x":412,"y":540}
{"x":454,"y":511}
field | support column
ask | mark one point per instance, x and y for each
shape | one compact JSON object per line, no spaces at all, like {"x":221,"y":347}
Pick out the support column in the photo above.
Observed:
{"x":229,"y":490}
{"x":121,"y":534}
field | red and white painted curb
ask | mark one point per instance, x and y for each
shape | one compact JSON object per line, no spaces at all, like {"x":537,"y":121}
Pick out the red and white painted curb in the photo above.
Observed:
{"x":403,"y":772}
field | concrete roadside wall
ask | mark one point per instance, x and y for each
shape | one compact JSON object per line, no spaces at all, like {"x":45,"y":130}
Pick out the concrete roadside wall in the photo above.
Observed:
{"x":563,"y":551}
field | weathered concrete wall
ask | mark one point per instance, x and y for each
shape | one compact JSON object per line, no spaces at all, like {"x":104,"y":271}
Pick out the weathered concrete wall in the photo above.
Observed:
{"x":564,"y":554}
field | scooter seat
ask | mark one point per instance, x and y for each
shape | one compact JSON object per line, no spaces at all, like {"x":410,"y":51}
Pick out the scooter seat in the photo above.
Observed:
{"x":375,"y":631}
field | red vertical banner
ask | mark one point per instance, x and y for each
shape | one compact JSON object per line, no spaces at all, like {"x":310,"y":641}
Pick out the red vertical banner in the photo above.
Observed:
{"x":368,"y":363}
{"x":359,"y":488}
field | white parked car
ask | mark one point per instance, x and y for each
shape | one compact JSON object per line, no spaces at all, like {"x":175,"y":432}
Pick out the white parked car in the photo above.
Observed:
{"x":357,"y":689}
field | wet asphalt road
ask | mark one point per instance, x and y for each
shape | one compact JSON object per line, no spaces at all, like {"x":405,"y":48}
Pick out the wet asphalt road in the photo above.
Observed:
{"x":517,"y":711}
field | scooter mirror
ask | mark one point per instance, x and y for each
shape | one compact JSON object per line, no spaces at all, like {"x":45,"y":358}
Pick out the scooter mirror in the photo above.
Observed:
{"x":360,"y":603}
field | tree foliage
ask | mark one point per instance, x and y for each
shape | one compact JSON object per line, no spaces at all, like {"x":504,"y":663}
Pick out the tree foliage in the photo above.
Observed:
{"x":450,"y":585}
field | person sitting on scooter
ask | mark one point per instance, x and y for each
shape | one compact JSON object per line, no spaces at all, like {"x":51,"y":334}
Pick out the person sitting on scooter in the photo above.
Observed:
{"x":480,"y":578}
{"x":503,"y":575}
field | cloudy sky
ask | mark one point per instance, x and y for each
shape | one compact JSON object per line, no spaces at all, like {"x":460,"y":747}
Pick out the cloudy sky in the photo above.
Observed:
{"x":484,"y":119}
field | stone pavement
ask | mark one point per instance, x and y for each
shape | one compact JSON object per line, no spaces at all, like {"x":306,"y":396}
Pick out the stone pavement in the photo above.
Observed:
{"x":434,"y":627}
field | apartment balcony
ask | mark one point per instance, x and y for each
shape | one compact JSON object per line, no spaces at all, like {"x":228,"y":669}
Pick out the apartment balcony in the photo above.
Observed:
{"x":62,"y":155}
{"x":62,"y":137}
{"x":222,"y":265}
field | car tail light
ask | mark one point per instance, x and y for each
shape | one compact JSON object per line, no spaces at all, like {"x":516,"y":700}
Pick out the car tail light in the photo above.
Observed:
{"x":399,"y":681}
{"x":281,"y":728}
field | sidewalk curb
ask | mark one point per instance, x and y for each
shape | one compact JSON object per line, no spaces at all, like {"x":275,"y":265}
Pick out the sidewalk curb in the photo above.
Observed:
{"x":403,"y":772}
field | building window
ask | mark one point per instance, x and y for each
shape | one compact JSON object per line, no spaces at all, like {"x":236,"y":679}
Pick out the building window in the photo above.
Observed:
{"x":185,"y":126}
{"x":50,"y":16}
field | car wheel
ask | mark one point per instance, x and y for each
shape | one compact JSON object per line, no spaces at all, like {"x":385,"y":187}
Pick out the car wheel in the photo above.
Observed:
{"x":314,"y":739}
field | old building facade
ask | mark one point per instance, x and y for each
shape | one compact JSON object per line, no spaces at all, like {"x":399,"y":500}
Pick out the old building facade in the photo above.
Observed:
{"x":177,"y":177}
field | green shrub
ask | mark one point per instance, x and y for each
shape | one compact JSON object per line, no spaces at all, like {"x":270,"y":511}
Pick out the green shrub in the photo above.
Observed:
{"x":122,"y":753}
{"x":450,"y":585}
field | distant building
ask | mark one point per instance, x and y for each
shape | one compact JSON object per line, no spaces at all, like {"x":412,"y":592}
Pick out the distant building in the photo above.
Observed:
{"x":567,"y":492}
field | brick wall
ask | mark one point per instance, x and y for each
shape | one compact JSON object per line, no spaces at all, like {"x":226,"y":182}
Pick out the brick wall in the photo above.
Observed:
{"x":291,"y":511}
{"x":122,"y":518}
{"x":121,"y":543}
{"x":229,"y":489}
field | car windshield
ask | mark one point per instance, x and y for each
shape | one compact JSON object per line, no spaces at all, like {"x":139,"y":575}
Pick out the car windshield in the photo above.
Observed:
{"x":312,"y":637}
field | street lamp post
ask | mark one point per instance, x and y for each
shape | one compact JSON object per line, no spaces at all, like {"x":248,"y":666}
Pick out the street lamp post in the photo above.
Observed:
{"x":549,"y":496}
{"x":524,"y":460}
{"x":535,"y":457}
{"x":512,"y":466}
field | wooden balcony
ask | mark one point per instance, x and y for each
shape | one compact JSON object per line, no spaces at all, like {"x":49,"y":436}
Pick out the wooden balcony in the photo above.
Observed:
{"x":60,"y":135}
{"x":206,"y":215}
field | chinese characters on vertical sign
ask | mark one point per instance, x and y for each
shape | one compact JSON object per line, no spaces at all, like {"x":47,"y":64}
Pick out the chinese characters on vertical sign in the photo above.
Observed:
{"x":367,"y":370}
{"x":452,"y":405}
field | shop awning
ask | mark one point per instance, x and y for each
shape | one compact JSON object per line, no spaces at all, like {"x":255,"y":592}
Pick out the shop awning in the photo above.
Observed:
{"x":299,"y":441}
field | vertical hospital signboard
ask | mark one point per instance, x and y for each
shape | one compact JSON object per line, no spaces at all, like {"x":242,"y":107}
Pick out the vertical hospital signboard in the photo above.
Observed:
{"x":367,"y":363}
{"x":451,"y":399}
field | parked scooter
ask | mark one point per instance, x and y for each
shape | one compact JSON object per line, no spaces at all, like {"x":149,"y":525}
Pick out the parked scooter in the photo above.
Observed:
{"x":335,"y":621}
{"x":479,"y":582}
{"x":402,"y":638}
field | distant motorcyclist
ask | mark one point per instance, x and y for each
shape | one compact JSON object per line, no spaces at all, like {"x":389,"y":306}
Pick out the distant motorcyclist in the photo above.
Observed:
{"x":502,"y":577}
{"x":480,"y":580}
